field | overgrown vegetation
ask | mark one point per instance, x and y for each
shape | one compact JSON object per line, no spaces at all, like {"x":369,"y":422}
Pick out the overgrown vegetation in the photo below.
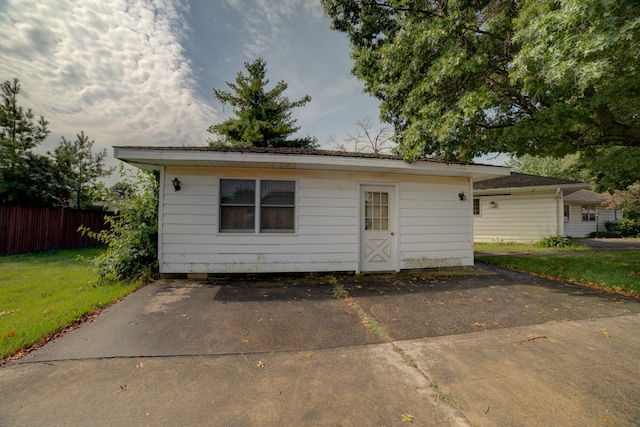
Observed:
{"x":132,"y":239}
{"x":556,"y":242}
{"x":615,"y":270}
{"x":42,"y":293}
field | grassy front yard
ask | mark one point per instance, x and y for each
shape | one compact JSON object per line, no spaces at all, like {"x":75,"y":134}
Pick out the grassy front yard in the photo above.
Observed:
{"x":615,"y":270}
{"x":42,"y":293}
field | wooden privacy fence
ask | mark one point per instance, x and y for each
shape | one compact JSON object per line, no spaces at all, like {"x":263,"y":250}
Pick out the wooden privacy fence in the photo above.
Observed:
{"x":31,"y":229}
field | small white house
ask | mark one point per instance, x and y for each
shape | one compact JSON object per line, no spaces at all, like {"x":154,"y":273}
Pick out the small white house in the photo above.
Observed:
{"x":262,"y":210}
{"x":584,"y":213}
{"x":520,"y":207}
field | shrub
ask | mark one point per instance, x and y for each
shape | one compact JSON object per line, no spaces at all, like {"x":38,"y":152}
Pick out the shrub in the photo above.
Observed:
{"x":556,"y":242}
{"x":626,"y":227}
{"x":132,"y":239}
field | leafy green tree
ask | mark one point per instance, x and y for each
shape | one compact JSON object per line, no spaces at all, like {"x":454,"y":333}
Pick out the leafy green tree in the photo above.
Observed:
{"x":25,"y":177}
{"x":132,"y":238}
{"x":461,"y":78}
{"x":80,"y":167}
{"x":262,"y":118}
{"x":568,"y":167}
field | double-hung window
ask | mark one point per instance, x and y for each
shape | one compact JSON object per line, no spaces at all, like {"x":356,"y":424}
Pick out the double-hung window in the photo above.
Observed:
{"x":247,"y":205}
{"x":588,"y":213}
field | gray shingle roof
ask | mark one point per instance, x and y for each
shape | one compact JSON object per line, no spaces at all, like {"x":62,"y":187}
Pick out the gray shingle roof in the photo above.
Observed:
{"x":583,"y":197}
{"x":522,"y":180}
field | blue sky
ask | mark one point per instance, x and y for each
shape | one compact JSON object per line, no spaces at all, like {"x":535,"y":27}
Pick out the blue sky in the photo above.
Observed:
{"x":141,"y":72}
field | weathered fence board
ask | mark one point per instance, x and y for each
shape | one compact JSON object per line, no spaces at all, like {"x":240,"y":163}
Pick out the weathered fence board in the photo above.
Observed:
{"x":31,"y":229}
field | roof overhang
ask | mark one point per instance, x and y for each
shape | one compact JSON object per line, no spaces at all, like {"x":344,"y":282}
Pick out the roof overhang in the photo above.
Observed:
{"x":530,"y":189}
{"x":153,"y":158}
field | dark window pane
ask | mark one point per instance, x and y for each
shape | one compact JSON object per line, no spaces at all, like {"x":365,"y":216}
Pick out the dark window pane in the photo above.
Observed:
{"x":277,"y":193}
{"x":274,"y":219}
{"x":237,"y":218}
{"x":237,"y":192}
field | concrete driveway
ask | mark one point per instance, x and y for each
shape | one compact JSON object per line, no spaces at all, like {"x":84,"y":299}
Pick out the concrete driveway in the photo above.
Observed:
{"x":481,"y":347}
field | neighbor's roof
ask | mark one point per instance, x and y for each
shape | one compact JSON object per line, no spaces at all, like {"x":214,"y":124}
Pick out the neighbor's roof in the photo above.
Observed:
{"x":298,"y":158}
{"x":522,"y":180}
{"x":584,"y":197}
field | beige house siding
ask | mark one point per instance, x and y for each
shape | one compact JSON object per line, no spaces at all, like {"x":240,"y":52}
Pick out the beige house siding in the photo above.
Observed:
{"x":519,"y":217}
{"x":433,"y":225}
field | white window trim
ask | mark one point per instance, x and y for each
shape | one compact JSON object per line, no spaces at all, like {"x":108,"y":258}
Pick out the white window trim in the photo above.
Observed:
{"x":256,"y":230}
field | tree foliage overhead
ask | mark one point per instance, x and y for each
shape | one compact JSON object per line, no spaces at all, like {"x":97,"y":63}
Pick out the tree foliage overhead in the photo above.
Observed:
{"x":262,"y":117}
{"x":461,"y":78}
{"x":568,"y":167}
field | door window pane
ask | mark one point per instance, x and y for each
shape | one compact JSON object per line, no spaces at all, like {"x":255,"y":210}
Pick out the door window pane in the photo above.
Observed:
{"x":376,"y":211}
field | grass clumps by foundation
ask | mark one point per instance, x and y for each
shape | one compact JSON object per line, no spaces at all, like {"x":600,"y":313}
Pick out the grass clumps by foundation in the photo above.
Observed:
{"x":43,"y":293}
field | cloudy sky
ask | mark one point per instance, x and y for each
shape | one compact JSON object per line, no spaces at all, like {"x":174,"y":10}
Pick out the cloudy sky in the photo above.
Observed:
{"x":141,"y":72}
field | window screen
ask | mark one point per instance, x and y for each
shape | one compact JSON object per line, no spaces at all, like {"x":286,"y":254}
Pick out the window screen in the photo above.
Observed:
{"x":237,"y":205}
{"x":277,"y":206}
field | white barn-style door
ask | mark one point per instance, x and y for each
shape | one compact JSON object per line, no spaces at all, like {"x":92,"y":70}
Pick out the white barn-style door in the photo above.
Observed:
{"x":377,"y":228}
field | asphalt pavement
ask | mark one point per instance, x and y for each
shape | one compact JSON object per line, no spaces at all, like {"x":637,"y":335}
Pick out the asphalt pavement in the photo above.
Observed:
{"x":465,"y":347}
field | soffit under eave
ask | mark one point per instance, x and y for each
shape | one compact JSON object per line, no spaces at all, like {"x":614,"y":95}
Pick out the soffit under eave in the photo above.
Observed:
{"x":490,"y":191}
{"x":474,"y":172}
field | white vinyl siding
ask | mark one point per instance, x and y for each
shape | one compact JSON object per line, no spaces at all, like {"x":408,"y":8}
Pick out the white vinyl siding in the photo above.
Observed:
{"x":434,"y":226}
{"x":576,"y":227}
{"x":519,"y":217}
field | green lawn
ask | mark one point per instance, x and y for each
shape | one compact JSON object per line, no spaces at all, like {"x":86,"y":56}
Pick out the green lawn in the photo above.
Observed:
{"x":615,"y":270}
{"x":523,"y":247}
{"x":41,"y":293}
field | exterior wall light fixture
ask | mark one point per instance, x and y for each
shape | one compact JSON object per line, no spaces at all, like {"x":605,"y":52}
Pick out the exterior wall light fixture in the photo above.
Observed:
{"x":462,"y":196}
{"x":176,"y":184}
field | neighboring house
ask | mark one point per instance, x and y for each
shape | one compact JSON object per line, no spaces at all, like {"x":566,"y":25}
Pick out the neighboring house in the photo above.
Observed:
{"x":520,"y":207}
{"x":584,"y":213}
{"x":261,"y":210}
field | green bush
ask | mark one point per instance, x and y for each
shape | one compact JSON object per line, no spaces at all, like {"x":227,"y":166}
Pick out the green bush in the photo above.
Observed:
{"x":555,"y":242}
{"x":626,"y":227}
{"x":132,"y":239}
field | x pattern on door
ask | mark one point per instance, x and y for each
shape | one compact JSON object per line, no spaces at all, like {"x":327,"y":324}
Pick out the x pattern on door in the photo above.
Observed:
{"x":377,"y":250}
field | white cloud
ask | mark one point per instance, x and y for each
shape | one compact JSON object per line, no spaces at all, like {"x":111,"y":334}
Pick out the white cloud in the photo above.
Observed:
{"x":113,"y":68}
{"x":268,"y":22}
